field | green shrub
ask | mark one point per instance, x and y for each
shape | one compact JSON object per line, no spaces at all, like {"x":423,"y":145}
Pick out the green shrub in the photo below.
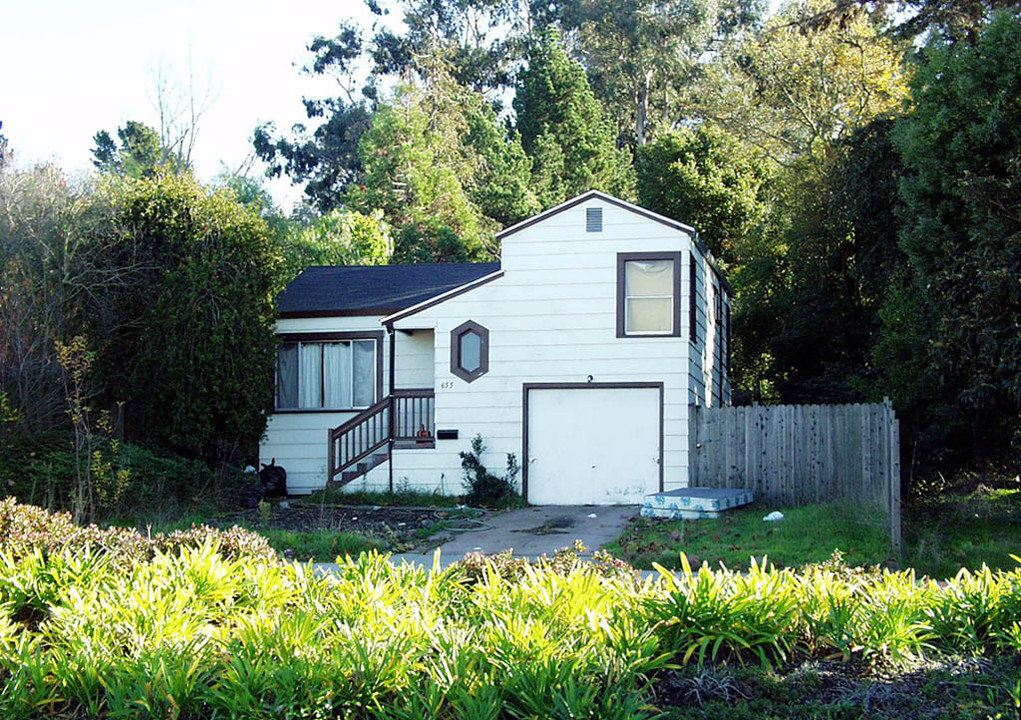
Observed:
{"x":482,"y":488}
{"x":26,"y":530}
{"x":41,"y":470}
{"x":193,"y":634}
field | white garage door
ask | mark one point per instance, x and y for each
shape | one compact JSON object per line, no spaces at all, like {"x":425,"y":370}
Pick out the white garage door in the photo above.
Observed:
{"x":593,"y":445}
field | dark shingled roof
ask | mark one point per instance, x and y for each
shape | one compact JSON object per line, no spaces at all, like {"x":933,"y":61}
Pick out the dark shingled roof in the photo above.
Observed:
{"x":373,"y":289}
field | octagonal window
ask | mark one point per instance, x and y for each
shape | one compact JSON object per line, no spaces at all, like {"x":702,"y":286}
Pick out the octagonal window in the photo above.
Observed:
{"x":469,"y":351}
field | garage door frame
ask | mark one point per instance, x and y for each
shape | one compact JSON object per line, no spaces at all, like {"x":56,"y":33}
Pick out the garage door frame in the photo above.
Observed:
{"x":526,"y":387}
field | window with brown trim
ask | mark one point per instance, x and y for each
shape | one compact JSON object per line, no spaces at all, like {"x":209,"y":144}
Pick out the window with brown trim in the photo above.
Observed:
{"x":322,"y":372}
{"x":469,"y":351}
{"x":648,"y":294}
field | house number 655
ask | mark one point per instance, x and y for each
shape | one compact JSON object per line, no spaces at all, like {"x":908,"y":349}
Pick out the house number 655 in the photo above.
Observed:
{"x":447,"y":384}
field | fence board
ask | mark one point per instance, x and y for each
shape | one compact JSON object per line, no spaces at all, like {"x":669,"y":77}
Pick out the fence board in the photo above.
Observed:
{"x":800,"y":454}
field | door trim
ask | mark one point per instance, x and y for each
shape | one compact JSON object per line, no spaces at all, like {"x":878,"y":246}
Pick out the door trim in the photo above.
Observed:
{"x":582,"y":386}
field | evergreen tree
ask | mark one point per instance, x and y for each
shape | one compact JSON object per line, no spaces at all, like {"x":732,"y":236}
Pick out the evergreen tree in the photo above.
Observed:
{"x":443,"y":172}
{"x":139,"y":153}
{"x":564,"y":128}
{"x":958,"y":325}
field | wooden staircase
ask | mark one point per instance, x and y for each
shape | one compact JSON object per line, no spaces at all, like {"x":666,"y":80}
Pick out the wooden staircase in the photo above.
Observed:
{"x":368,"y":439}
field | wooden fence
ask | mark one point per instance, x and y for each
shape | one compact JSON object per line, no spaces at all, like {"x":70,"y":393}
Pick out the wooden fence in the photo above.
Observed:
{"x":803,"y":454}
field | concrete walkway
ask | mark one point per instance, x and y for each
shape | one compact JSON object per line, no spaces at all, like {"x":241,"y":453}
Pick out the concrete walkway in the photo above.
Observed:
{"x":529,"y":532}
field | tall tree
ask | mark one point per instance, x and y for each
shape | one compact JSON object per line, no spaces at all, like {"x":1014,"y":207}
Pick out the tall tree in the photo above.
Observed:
{"x":139,"y":153}
{"x":479,"y":42}
{"x":640,"y":55}
{"x":430,"y":161}
{"x":709,"y":179}
{"x":716,"y":183}
{"x":962,"y":235}
{"x":205,"y":311}
{"x":793,"y":90}
{"x":842,"y":253}
{"x":481,"y":39}
{"x":952,"y":20}
{"x":325,"y":159}
{"x":564,"y":128}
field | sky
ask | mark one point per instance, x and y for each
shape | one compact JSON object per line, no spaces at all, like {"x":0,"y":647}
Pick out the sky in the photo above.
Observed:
{"x":70,"y":68}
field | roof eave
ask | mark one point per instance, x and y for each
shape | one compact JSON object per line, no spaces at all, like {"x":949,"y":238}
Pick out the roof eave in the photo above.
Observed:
{"x":442,"y":297}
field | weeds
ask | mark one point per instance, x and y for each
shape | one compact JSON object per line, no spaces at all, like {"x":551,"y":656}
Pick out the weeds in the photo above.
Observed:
{"x":483,"y":488}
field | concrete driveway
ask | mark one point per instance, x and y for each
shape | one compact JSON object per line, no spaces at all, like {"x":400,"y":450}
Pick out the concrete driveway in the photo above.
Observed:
{"x":533,"y":531}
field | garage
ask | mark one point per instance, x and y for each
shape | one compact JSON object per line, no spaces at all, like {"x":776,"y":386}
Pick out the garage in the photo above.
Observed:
{"x":592,"y":443}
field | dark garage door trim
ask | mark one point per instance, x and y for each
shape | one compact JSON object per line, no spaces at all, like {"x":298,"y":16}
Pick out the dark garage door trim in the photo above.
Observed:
{"x":582,"y":386}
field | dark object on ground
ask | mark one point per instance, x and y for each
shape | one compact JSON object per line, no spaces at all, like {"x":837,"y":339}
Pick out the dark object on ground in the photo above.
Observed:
{"x":274,"y":480}
{"x":555,"y":525}
{"x":253,"y":490}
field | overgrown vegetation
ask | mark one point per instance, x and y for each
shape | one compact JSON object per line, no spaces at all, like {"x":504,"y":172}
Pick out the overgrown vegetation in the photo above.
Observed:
{"x":29,"y":531}
{"x":192,"y":634}
{"x":156,"y":489}
{"x":953,"y":531}
{"x":483,"y":488}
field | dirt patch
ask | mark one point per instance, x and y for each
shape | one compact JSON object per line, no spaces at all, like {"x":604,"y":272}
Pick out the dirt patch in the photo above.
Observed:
{"x":925,"y":689}
{"x":393,"y":524}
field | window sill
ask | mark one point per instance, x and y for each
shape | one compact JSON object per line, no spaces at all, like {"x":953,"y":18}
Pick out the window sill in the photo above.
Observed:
{"x":414,"y":444}
{"x":319,"y":411}
{"x":627,"y":336}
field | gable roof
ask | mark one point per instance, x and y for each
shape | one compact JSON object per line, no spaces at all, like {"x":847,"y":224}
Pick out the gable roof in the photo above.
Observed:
{"x":598,"y":195}
{"x":630,"y":207}
{"x":336,"y":290}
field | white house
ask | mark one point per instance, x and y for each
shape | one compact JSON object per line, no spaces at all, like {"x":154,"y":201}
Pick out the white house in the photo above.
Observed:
{"x":581,"y":352}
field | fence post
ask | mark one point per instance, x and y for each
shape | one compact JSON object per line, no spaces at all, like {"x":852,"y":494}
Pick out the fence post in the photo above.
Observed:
{"x":894,"y":478}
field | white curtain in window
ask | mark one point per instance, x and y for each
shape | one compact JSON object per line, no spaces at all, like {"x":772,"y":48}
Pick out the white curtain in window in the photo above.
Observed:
{"x":649,"y":296}
{"x":311,"y":374}
{"x":364,"y":373}
{"x":287,"y":376}
{"x":649,"y":278}
{"x":650,"y":315}
{"x":337,"y":375}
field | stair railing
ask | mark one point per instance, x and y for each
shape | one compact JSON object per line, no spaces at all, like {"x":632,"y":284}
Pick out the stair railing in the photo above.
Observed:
{"x":407,"y":415}
{"x":359,"y":437}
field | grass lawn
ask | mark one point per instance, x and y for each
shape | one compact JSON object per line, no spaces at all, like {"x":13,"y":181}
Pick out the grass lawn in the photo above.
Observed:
{"x":940,"y":537}
{"x":806,"y":535}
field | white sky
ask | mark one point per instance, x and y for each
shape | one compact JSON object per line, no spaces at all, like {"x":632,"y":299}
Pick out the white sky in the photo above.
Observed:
{"x":69,"y":68}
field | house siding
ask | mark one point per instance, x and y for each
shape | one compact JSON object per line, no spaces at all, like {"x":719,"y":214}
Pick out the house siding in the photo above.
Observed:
{"x":552,"y":319}
{"x":298,"y":441}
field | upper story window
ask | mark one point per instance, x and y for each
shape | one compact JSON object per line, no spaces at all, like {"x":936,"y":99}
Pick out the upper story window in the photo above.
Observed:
{"x":320,"y":372}
{"x":648,"y":294}
{"x":469,"y":351}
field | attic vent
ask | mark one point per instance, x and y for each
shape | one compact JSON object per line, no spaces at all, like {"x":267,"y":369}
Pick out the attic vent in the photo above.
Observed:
{"x":593,"y":219}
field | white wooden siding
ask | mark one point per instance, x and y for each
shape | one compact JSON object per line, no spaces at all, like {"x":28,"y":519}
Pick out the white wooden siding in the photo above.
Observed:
{"x":299,"y":440}
{"x":552,"y":318}
{"x":415,"y":359}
